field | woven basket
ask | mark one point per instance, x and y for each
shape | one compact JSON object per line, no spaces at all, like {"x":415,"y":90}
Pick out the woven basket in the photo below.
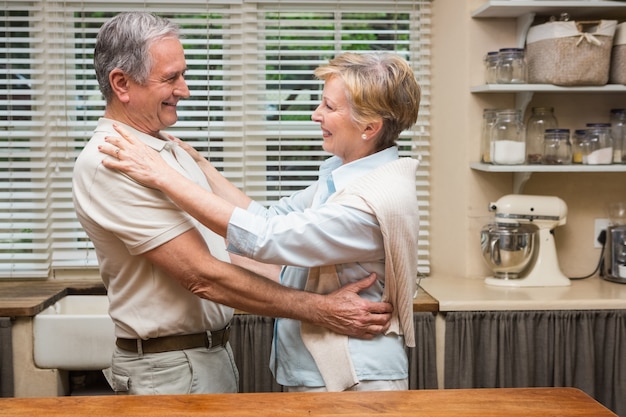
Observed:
{"x":570,"y":53}
{"x":618,"y":56}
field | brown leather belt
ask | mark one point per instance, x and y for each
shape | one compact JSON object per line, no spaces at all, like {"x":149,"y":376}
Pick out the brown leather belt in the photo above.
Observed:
{"x":172,"y":343}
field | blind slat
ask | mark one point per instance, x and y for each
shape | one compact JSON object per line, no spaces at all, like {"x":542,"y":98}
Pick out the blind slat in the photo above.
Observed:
{"x":252,"y":94}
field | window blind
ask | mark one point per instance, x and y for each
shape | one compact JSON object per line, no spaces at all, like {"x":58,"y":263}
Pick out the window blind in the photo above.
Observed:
{"x":250,"y":73}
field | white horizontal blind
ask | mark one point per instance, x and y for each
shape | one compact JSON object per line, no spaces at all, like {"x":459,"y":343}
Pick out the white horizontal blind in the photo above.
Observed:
{"x":250,"y":67}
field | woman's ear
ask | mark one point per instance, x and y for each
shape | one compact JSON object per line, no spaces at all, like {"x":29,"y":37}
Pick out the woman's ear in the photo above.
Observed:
{"x":120,"y":84}
{"x":372,"y":128}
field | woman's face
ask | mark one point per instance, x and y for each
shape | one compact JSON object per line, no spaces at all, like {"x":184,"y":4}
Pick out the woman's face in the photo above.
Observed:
{"x":342,"y":137}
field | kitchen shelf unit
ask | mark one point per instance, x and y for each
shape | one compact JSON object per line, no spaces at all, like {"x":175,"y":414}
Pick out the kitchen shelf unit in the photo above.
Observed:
{"x":517,"y":8}
{"x":525,"y":12}
{"x":522,"y":173}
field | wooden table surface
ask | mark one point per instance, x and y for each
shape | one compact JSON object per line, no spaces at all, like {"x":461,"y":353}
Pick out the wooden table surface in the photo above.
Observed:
{"x":509,"y":402}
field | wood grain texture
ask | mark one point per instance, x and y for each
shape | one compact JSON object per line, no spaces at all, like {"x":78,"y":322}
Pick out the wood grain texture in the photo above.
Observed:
{"x":510,"y":402}
{"x":22,"y":298}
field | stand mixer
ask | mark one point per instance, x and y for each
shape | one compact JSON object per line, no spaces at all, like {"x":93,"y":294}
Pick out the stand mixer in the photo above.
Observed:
{"x":522,"y":235}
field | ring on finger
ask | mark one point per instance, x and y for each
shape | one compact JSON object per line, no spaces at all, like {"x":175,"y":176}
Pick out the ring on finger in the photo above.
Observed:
{"x":117,"y":153}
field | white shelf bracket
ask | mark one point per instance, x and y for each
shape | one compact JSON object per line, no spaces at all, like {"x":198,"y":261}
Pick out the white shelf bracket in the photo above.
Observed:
{"x":521,"y":101}
{"x":523,"y":24}
{"x":519,"y":181}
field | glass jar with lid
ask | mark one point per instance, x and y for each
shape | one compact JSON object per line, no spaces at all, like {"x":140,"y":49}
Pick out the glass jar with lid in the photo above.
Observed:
{"x":600,"y":144}
{"x":541,"y":118}
{"x":617,"y":119}
{"x":491,"y":64}
{"x":580,"y":146}
{"x":508,"y":144}
{"x":511,"y":67}
{"x":489,"y":118}
{"x":557,"y":147}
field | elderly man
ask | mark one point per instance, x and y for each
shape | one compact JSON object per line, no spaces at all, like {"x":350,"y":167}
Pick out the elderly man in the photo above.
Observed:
{"x":171,"y":286}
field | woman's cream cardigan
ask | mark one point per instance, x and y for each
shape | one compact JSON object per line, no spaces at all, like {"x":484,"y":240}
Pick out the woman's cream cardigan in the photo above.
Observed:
{"x":389,"y":193}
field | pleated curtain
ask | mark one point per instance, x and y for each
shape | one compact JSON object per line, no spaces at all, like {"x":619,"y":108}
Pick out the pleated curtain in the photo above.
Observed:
{"x":6,"y":358}
{"x":251,"y":340}
{"x":574,"y":348}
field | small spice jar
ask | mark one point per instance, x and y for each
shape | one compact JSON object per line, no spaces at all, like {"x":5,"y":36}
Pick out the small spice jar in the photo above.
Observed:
{"x":511,"y":67}
{"x":557,"y":147}
{"x":579,"y":146}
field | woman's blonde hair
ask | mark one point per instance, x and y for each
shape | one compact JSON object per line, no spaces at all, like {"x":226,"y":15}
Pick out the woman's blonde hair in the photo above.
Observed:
{"x":378,"y":85}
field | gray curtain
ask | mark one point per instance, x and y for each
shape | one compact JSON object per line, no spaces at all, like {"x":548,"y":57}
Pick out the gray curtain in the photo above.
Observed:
{"x":583,"y":349}
{"x":423,"y":357}
{"x":251,"y":341}
{"x":6,"y":358}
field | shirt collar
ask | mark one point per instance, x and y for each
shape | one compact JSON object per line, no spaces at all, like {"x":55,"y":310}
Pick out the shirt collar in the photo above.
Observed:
{"x":156,"y":143}
{"x":344,"y":174}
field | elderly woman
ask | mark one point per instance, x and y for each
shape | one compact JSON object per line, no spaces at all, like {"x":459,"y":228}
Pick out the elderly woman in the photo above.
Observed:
{"x":361,"y":216}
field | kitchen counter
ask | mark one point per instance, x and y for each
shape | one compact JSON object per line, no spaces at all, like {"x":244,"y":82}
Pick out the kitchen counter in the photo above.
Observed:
{"x":511,"y":402}
{"x":464,"y":294}
{"x":25,"y":298}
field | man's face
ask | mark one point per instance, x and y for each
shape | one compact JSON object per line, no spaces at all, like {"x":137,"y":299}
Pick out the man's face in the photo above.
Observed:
{"x":152,"y":107}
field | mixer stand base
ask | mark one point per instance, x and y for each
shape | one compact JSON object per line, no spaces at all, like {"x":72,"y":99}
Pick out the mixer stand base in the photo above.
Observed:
{"x":531,"y":281}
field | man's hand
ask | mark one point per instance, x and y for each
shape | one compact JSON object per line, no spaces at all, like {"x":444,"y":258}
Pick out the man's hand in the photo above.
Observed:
{"x":345,"y":312}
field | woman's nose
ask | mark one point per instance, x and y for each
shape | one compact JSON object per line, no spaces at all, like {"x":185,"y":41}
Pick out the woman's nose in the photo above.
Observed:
{"x":316,"y":116}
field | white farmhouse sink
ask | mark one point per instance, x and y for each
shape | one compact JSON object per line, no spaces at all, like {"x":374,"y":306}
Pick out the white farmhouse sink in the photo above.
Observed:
{"x":76,"y":333}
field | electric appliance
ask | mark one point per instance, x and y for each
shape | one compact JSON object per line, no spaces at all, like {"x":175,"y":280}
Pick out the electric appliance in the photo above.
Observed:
{"x":615,"y":246}
{"x":519,"y":246}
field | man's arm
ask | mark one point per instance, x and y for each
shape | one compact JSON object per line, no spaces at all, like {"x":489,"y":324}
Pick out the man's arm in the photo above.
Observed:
{"x":188,"y":260}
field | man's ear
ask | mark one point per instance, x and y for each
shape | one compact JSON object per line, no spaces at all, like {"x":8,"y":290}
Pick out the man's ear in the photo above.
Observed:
{"x":120,"y":83}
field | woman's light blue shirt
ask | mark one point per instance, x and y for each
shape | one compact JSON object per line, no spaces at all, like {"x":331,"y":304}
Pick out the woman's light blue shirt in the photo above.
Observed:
{"x":302,"y":231}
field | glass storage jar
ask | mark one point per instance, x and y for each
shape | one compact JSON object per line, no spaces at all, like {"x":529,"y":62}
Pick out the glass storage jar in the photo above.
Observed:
{"x":600,"y":144}
{"x":557,"y":147}
{"x":617,"y":119}
{"x":491,"y":64}
{"x":541,"y":118}
{"x":579,"y":146}
{"x":508,"y":144}
{"x":489,"y":118}
{"x":511,"y":67}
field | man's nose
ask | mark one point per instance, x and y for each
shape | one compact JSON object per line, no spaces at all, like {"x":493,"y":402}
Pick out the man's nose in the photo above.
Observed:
{"x":182,"y":90}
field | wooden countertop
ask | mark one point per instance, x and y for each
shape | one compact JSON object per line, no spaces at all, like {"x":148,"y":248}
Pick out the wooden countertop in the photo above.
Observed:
{"x":510,"y":402}
{"x":27,"y":298}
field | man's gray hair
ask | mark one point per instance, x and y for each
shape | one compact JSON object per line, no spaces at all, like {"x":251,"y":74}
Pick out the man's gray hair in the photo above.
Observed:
{"x":124,"y":42}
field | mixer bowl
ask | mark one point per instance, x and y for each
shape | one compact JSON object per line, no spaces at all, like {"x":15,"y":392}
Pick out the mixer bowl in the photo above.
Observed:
{"x":508,"y":248}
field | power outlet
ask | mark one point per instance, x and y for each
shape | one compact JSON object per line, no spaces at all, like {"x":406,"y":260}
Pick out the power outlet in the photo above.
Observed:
{"x":599,"y":225}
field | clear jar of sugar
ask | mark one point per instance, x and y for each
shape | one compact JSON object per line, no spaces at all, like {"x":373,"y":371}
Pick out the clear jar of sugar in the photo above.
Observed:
{"x":508,"y":142}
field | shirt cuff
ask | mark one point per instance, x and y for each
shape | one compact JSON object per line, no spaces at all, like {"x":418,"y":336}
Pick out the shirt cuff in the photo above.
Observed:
{"x":242,"y":231}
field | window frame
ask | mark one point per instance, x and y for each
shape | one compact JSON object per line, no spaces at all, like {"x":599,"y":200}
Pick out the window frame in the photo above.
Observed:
{"x":65,"y":103}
